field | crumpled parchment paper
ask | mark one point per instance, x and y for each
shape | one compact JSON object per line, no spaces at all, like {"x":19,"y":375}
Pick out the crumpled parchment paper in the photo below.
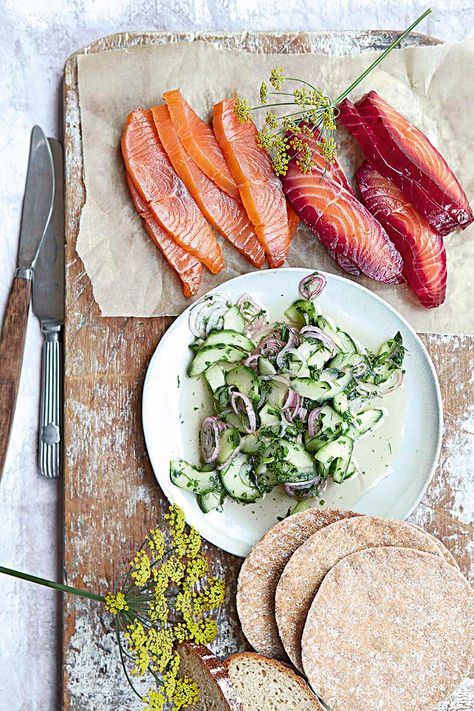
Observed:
{"x":431,"y":86}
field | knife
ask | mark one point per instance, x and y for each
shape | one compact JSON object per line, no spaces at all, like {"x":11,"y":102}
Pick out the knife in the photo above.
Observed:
{"x":48,"y":306}
{"x":37,"y":208}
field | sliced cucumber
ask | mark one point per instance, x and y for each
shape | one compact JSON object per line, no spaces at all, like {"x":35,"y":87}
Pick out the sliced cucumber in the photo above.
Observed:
{"x":332,"y":425}
{"x":335,"y":457}
{"x":187,"y":477}
{"x":323,"y":389}
{"x":208,"y":355}
{"x":233,"y":320}
{"x":215,"y":377}
{"x":244,"y":380}
{"x":250,"y":444}
{"x":346,"y":360}
{"x":230,"y":440}
{"x":269,"y":417}
{"x":302,"y":506}
{"x":319,"y":358}
{"x":229,"y":338}
{"x":212,"y":499}
{"x":276,"y":393}
{"x":368,"y":421}
{"x":266,"y":478}
{"x":341,"y":404}
{"x":296,"y":455}
{"x":234,"y":484}
{"x":232,"y":419}
{"x":301,"y":312}
{"x":265,"y":367}
{"x":345,"y":342}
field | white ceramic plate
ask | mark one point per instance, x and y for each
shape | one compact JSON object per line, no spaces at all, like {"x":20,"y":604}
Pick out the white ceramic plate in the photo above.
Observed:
{"x":405,"y":449}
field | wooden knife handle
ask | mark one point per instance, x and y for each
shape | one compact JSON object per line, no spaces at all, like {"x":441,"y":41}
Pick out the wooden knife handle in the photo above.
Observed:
{"x":12,"y":343}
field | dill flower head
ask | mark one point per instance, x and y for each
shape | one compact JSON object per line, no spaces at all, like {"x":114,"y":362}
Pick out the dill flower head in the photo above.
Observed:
{"x":166,"y":597}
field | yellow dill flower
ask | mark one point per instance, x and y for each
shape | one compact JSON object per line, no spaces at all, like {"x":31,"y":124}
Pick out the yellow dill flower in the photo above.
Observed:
{"x":136,"y":636}
{"x":328,"y":149}
{"x":116,"y":602}
{"x":154,"y":701}
{"x":263,"y":92}
{"x":160,"y":645}
{"x":195,"y":570}
{"x":141,"y":565}
{"x":142,"y":662}
{"x":170,"y":677}
{"x":276,"y":78}
{"x":193,"y":543}
{"x":186,"y":693}
{"x":271,"y":120}
{"x":205,"y":631}
{"x":300,"y":96}
{"x":242,"y":109}
{"x":176,"y":520}
{"x":210,"y":598}
{"x":158,"y":610}
{"x":156,"y":542}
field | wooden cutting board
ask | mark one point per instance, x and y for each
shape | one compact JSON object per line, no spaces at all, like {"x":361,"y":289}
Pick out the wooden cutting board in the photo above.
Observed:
{"x":110,"y":495}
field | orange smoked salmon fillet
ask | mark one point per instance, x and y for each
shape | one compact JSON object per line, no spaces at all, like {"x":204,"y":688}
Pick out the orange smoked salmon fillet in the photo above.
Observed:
{"x":199,"y":141}
{"x":166,"y":195}
{"x":188,"y":268}
{"x":260,"y":189}
{"x":223,"y":212}
{"x":293,"y":221}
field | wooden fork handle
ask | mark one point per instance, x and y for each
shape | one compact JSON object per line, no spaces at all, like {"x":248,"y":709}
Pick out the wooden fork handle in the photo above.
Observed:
{"x":12,"y":343}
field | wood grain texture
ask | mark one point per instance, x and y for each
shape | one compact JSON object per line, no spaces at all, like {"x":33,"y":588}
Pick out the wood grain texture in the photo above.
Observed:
{"x":111,"y":497}
{"x":12,"y":344}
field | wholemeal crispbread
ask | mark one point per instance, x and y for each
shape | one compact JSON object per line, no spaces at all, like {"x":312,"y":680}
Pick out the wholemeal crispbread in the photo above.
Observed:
{"x":309,"y":564}
{"x":268,"y":685}
{"x":445,"y":552}
{"x":216,"y":692}
{"x":390,"y":628}
{"x":260,"y":573}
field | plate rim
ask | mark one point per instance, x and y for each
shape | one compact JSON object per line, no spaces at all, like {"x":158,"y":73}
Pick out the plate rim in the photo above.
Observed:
{"x":303,"y":271}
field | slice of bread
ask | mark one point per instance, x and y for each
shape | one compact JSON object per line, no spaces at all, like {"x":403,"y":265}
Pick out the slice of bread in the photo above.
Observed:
{"x":215,"y":689}
{"x":268,"y":685}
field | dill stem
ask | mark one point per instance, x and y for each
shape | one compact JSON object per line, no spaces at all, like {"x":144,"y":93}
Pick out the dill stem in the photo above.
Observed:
{"x":379,"y":59}
{"x":52,"y":584}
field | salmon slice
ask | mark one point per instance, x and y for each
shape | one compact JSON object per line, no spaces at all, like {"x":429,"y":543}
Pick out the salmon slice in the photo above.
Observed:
{"x":259,"y":187}
{"x":341,"y":223}
{"x":293,"y":221}
{"x":199,"y":141}
{"x":422,"y":248}
{"x":166,"y":195}
{"x":401,"y":152}
{"x":188,"y":268}
{"x":223,"y":212}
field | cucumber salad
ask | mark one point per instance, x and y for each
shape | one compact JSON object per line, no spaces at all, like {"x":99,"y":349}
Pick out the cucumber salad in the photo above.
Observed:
{"x":290,"y":399}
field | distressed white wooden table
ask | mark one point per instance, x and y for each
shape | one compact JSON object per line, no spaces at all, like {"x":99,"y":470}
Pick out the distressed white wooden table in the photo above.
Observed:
{"x":36,"y":39}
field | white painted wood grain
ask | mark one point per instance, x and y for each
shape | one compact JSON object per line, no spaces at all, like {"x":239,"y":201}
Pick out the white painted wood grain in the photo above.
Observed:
{"x":35,"y":39}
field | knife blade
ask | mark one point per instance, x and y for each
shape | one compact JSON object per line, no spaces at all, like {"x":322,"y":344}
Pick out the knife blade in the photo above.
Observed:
{"x":48,"y":306}
{"x":36,"y":213}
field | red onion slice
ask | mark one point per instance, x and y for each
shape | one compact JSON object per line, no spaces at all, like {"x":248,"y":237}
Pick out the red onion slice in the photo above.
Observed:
{"x":312,"y":421}
{"x":320,"y":335}
{"x":242,"y":405}
{"x":297,"y":487}
{"x":206,"y":314}
{"x":311,"y":286}
{"x":292,"y":405}
{"x":229,"y":459}
{"x":211,"y":429}
{"x":389,"y":387}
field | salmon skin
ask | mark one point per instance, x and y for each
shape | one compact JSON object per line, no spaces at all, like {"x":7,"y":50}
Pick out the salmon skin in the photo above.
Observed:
{"x":188,"y":268}
{"x":259,"y":187}
{"x":421,"y":247}
{"x":223,"y":212}
{"x":341,"y":223}
{"x":199,"y":141}
{"x":165,"y":194}
{"x":401,"y":152}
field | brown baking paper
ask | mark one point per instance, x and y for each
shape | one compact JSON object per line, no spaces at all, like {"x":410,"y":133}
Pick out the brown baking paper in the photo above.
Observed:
{"x":431,"y":86}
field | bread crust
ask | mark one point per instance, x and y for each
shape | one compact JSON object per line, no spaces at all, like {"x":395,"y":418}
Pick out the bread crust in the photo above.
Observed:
{"x":281,"y":667}
{"x":217,"y":673}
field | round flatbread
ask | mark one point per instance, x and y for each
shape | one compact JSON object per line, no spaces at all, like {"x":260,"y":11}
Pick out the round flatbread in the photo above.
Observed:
{"x":305,"y":570}
{"x":390,"y":628}
{"x":261,"y":570}
{"x":445,"y":552}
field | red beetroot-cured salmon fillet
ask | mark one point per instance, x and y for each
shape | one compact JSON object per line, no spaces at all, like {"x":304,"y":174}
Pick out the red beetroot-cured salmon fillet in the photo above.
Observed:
{"x":166,"y":195}
{"x":401,"y":152}
{"x":188,"y":268}
{"x":340,"y":221}
{"x":259,"y":187}
{"x":223,"y":212}
{"x":422,"y":248}
{"x":199,"y":141}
